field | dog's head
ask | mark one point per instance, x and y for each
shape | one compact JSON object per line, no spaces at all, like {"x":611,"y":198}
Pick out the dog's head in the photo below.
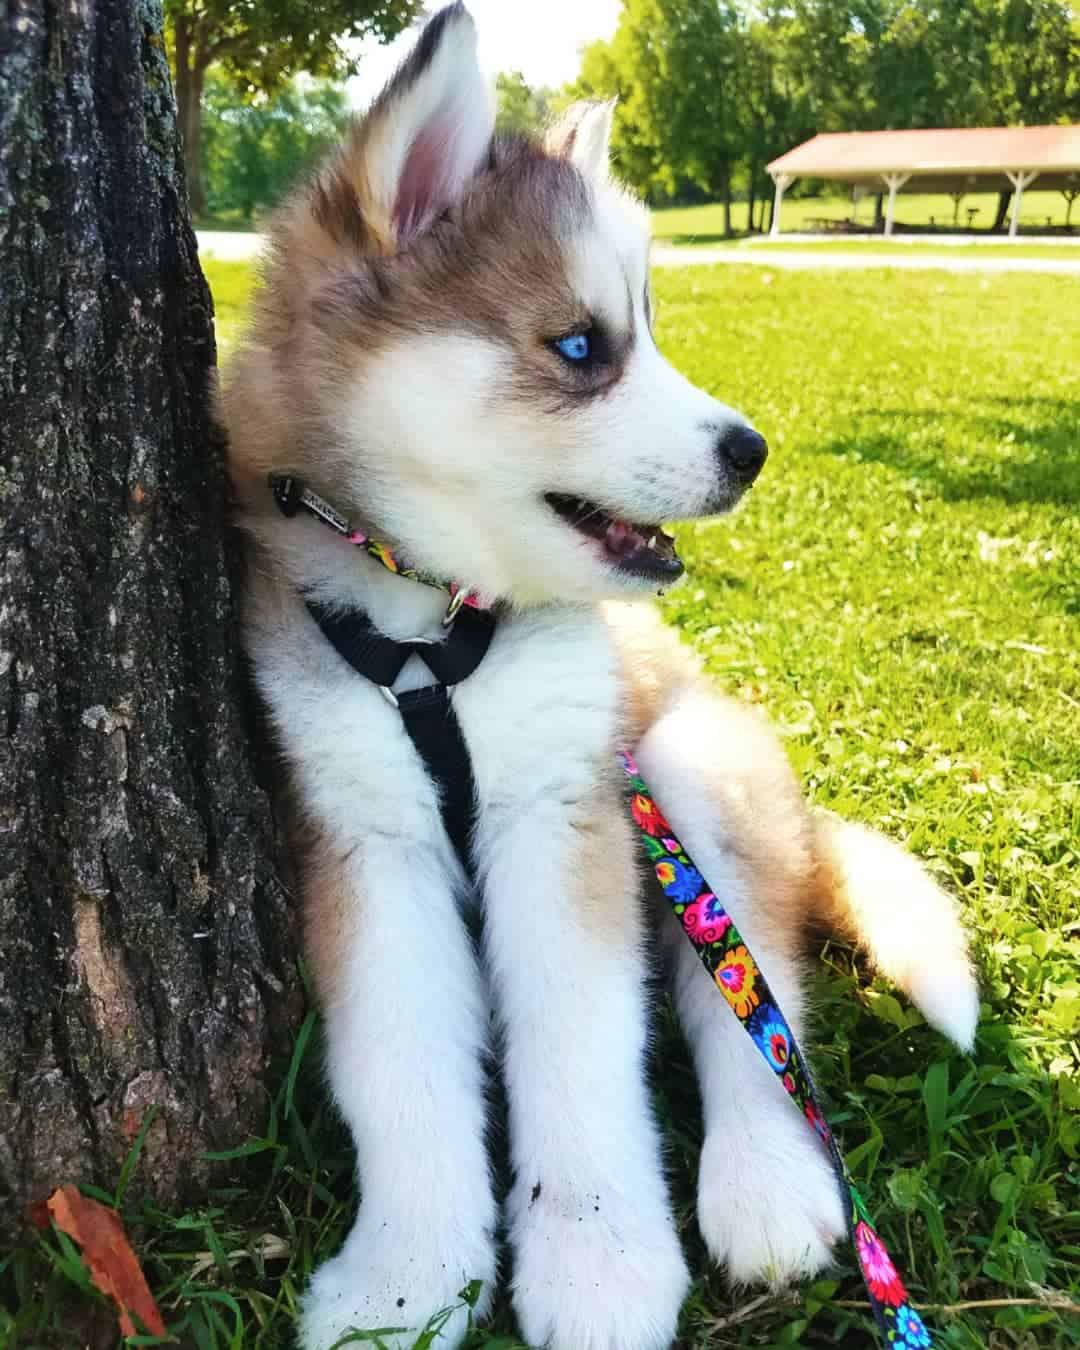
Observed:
{"x":454,"y":343}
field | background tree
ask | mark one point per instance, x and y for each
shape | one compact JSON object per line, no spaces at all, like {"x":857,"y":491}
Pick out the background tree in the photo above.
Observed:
{"x":147,"y":948}
{"x":710,"y":90}
{"x":672,"y":66}
{"x":254,"y":151}
{"x":261,"y":45}
{"x":606,"y":73}
{"x":518,"y":106}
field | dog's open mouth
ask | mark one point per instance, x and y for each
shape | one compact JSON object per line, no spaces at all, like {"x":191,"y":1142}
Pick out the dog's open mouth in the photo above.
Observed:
{"x":646,"y":550}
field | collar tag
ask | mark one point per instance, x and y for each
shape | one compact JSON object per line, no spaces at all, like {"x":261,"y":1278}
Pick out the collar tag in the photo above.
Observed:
{"x":291,"y":495}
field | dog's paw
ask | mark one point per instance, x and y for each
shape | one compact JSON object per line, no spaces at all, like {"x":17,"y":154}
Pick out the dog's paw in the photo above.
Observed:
{"x":595,"y":1273}
{"x":769,"y":1205}
{"x":394,"y":1285}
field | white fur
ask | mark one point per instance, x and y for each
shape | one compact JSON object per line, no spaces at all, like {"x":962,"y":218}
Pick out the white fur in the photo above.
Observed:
{"x":910,"y":927}
{"x":406,"y":1039}
{"x":592,"y":139}
{"x":768,"y":1202}
{"x":597,"y":1264}
{"x":597,"y":1261}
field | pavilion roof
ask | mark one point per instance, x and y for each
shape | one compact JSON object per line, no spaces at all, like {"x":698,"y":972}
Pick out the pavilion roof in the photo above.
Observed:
{"x":948,"y":153}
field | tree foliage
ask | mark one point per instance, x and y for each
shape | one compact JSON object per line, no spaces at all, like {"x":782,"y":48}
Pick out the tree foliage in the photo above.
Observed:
{"x":711,"y":90}
{"x":258,"y":47}
{"x":518,"y":106}
{"x":254,"y":151}
{"x":261,"y":46}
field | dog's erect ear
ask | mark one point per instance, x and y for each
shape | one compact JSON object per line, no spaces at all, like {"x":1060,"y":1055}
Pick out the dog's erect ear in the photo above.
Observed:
{"x":583,"y":136}
{"x":424,"y":137}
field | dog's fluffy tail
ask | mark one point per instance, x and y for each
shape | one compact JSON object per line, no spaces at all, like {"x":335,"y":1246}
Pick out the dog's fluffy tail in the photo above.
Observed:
{"x":879,"y":897}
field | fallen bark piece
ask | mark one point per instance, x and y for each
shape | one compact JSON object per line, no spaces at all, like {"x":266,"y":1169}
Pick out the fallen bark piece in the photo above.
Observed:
{"x":114,"y":1267}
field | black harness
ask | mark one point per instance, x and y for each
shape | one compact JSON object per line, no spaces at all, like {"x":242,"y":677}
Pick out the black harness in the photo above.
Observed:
{"x":428,"y":713}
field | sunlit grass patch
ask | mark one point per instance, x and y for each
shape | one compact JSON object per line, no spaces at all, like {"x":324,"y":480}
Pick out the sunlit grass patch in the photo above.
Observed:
{"x":231,"y":284}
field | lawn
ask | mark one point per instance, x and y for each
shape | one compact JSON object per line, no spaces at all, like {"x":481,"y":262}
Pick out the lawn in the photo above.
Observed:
{"x":902,"y":593}
{"x":705,"y":224}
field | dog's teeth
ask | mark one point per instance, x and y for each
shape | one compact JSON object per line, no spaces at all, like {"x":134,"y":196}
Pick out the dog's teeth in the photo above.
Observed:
{"x":652,"y":542}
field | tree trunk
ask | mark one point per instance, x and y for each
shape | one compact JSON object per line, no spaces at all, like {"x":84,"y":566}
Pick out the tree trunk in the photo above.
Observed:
{"x":1004,"y":201}
{"x":727,"y":200}
{"x":147,"y":944}
{"x":191,"y":65}
{"x":751,"y":200}
{"x":879,"y":211}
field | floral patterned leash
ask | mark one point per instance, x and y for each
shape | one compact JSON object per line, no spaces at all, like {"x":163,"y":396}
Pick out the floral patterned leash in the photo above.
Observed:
{"x":726,"y":957}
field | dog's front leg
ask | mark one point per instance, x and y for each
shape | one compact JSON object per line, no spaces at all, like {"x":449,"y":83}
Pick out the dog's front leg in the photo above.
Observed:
{"x":597,"y":1263}
{"x":406,"y":1023}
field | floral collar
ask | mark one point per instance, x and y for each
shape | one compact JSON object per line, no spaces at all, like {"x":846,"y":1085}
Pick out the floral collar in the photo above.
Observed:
{"x":291,"y":496}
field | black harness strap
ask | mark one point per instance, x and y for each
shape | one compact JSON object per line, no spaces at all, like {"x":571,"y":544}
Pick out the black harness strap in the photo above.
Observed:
{"x":427,"y":713}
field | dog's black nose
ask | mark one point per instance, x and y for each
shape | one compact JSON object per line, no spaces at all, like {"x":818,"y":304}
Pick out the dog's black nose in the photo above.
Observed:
{"x":744,"y":449}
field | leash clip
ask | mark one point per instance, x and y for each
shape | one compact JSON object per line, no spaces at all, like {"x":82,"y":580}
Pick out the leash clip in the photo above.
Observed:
{"x":456,"y":601}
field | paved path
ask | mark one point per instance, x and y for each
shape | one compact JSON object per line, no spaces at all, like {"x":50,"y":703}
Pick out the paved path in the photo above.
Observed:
{"x":237,"y":246}
{"x":228,"y":245}
{"x":663,"y":255}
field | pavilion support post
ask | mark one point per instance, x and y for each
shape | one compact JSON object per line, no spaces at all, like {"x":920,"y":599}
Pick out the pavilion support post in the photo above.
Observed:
{"x":894,"y":182}
{"x":1021,"y":179}
{"x":783,"y":181}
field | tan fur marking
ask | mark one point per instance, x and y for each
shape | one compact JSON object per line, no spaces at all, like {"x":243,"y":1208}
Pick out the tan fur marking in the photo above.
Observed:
{"x":755,"y":792}
{"x":655,"y":665}
{"x":602,"y":867}
{"x":332,"y":912}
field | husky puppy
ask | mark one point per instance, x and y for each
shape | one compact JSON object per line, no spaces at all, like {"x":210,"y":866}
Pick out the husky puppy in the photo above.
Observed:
{"x":452,"y":345}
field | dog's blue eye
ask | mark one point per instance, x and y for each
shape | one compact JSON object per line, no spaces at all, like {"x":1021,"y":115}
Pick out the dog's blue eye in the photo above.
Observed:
{"x":576,"y":347}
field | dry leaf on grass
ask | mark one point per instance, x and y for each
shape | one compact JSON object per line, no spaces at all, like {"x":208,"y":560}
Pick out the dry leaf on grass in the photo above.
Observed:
{"x":114,"y":1267}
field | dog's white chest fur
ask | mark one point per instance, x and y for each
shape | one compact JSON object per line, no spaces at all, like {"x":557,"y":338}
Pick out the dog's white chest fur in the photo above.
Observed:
{"x":539,"y":716}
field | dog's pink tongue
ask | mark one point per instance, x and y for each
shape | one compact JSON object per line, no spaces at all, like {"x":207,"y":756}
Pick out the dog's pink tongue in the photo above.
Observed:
{"x":621,"y":539}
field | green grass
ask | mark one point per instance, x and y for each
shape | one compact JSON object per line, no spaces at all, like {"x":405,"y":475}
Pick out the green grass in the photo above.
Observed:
{"x":225,"y":220}
{"x":902,"y":593}
{"x":705,"y":224}
{"x":231,"y":284}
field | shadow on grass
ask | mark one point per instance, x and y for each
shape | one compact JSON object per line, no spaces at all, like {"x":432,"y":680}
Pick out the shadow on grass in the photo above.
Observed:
{"x":1041,"y":462}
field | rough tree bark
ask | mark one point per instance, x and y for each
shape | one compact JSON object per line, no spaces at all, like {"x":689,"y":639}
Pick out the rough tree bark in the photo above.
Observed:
{"x":145,"y":940}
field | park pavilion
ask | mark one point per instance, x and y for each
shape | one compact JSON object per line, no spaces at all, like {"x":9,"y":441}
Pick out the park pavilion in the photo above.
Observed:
{"x":954,"y":161}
